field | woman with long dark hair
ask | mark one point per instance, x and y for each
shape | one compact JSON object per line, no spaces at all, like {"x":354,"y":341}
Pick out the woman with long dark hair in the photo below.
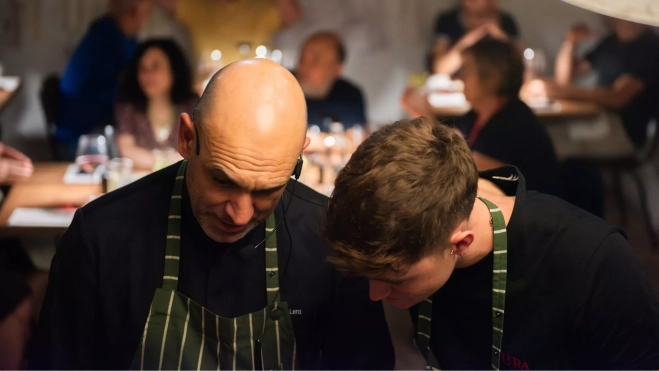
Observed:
{"x":156,"y":90}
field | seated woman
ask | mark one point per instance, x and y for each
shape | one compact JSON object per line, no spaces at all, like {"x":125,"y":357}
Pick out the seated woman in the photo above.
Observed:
{"x":156,"y":90}
{"x":500,"y":128}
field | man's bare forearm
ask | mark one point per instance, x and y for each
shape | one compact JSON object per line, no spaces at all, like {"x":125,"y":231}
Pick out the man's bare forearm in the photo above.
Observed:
{"x":565,"y":63}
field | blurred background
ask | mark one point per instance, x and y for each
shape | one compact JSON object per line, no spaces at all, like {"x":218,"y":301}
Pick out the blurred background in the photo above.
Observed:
{"x":386,"y":40}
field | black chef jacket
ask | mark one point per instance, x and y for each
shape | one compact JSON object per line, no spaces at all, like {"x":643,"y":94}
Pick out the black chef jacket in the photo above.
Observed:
{"x":110,"y":261}
{"x":576,"y":297}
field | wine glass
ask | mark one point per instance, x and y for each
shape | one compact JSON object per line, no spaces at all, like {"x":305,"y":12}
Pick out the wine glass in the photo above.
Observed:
{"x":536,"y":62}
{"x":92,"y":152}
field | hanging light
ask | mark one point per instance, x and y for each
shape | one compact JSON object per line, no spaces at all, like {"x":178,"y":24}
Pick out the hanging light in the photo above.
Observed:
{"x":261,"y":51}
{"x":216,"y":55}
{"x":638,"y":11}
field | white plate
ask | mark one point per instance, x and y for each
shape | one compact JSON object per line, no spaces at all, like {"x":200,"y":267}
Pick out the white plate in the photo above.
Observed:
{"x":41,"y":217}
{"x":9,"y":83}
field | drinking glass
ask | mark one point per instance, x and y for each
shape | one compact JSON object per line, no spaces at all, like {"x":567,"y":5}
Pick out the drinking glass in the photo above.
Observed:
{"x":164,"y":157}
{"x":92,"y":152}
{"x":119,"y":173}
{"x":536,"y":62}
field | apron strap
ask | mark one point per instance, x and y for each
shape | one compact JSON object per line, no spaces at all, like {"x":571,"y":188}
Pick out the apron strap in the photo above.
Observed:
{"x":499,"y":276}
{"x":423,"y":327}
{"x":173,"y":246}
{"x":271,"y":260}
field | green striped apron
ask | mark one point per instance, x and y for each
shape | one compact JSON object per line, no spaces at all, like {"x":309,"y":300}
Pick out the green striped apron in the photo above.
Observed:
{"x":499,"y":270}
{"x":180,"y":334}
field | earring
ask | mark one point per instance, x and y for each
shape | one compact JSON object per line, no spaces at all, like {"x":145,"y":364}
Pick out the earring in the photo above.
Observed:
{"x":462,"y":257}
{"x":452,"y":252}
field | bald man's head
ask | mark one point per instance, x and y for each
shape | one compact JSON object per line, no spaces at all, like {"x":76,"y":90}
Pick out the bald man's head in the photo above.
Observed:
{"x":251,"y":124}
{"x":254,"y":96}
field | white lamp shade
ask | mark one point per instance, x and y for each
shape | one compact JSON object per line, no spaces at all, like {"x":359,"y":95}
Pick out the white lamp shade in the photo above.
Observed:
{"x":638,"y":11}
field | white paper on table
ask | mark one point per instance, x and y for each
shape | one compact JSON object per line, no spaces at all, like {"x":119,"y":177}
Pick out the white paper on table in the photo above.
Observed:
{"x":73,"y":175}
{"x":9,"y":83}
{"x":41,"y":217}
{"x":542,"y":104}
{"x":448,"y":100}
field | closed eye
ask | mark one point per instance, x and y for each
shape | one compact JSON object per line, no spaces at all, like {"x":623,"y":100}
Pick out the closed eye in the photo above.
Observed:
{"x":225,"y":183}
{"x":269,"y":191}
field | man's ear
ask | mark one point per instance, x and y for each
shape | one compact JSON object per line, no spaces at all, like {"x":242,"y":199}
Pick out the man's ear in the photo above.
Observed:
{"x":187,"y":138}
{"x":462,"y":238}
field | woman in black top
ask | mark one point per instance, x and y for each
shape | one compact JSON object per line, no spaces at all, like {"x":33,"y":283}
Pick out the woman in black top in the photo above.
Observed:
{"x":501,"y":129}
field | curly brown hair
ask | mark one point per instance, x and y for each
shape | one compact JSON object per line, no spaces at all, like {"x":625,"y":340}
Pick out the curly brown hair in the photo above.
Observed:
{"x":403,"y":192}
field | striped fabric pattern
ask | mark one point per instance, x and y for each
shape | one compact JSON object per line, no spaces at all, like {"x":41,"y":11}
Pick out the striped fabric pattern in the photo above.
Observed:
{"x":180,"y":334}
{"x":499,"y":276}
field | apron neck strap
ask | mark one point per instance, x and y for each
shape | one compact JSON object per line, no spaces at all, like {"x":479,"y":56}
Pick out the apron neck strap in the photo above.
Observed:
{"x":499,"y":275}
{"x":271,"y":260}
{"x":499,"y":278}
{"x":173,"y":247}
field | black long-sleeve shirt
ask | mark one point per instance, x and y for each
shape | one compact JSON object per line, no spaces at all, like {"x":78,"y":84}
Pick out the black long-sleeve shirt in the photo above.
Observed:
{"x":110,"y":261}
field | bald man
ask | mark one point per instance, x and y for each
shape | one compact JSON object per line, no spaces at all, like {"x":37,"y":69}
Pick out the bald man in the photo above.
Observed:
{"x":329,"y":97}
{"x":223,"y":245}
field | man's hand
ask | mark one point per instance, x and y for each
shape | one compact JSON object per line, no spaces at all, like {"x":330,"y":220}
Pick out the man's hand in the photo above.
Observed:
{"x":493,"y":29}
{"x":578,"y":33}
{"x":415,"y":103}
{"x":472,"y":37}
{"x":14,"y":166}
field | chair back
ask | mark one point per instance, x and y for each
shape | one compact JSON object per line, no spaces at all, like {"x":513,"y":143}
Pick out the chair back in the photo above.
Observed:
{"x":651,"y":147}
{"x":49,"y":96}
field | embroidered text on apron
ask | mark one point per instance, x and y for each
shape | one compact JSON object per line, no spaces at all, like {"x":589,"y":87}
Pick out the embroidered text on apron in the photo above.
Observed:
{"x":499,"y":273}
{"x":180,"y":334}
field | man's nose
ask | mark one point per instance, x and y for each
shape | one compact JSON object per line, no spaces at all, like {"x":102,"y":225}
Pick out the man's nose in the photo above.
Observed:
{"x":378,"y":290}
{"x":240,"y":208}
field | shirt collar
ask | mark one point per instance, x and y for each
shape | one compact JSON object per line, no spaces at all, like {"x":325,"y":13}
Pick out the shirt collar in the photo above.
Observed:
{"x":508,"y":178}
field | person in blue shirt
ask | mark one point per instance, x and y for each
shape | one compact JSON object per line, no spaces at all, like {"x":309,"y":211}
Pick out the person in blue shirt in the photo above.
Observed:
{"x":329,"y":97}
{"x":91,"y":79}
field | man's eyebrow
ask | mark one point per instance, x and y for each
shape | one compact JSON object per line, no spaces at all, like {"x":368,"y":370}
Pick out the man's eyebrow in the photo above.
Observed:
{"x":272,"y":189}
{"x":393,"y":281}
{"x":219,"y":174}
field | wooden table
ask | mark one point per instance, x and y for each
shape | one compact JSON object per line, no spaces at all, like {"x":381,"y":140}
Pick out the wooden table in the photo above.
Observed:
{"x":568,"y":109}
{"x":44,"y":189}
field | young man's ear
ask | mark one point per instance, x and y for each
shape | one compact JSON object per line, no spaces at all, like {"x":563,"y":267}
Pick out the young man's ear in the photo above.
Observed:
{"x":462,"y":238}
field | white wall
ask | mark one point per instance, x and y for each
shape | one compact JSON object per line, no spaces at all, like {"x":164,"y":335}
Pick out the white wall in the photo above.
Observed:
{"x":386,"y":40}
